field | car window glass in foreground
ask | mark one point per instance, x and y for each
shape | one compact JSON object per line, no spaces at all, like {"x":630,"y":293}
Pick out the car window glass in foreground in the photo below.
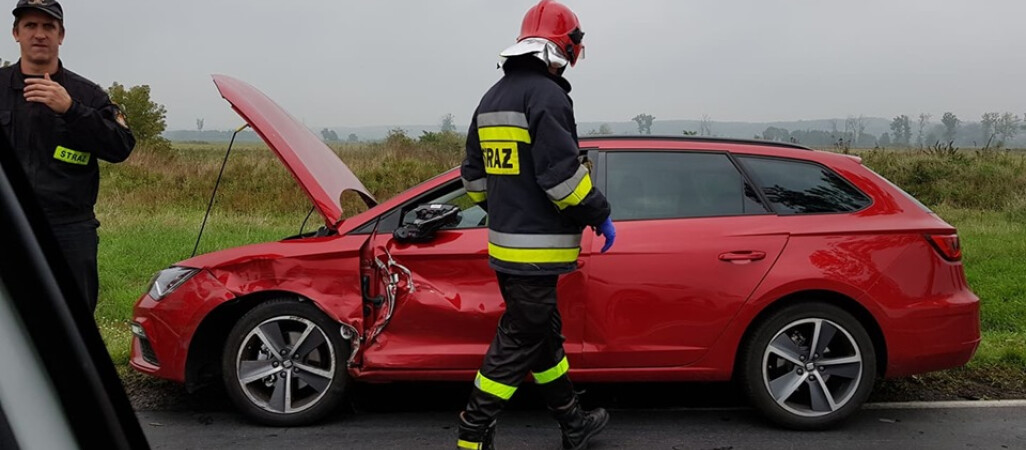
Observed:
{"x":667,"y":185}
{"x":59,"y":388}
{"x":795,"y":187}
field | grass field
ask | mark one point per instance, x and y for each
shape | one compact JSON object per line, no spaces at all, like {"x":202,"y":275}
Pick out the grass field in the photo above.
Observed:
{"x":152,"y":205}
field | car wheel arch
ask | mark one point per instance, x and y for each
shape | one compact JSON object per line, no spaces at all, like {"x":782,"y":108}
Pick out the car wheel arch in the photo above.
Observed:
{"x":850,"y":305}
{"x":203,"y":360}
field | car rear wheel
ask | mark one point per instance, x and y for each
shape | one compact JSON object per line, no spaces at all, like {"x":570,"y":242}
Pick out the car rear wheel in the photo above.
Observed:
{"x":808,"y":366}
{"x":284,"y":364}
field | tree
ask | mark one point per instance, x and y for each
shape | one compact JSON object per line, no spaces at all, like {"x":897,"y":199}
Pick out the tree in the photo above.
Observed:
{"x":448,"y":123}
{"x":603,"y":130}
{"x":855,"y":127}
{"x":950,"y":121}
{"x":199,"y":124}
{"x":885,"y":140}
{"x":1007,"y":127}
{"x":690,"y":133}
{"x":924,"y":119}
{"x":353,"y":138}
{"x":146,"y":118}
{"x":329,"y":135}
{"x":987,"y":124}
{"x":644,"y":123}
{"x":901,"y":130}
{"x":776,"y":134}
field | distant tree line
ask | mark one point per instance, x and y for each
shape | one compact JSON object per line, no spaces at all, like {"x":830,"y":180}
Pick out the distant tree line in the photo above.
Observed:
{"x":994,"y":130}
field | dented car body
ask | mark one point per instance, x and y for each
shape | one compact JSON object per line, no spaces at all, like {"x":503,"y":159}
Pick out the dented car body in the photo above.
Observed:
{"x":722,"y":270}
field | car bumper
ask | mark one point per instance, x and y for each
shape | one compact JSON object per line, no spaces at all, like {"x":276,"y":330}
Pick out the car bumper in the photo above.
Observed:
{"x":163,"y":330}
{"x":154,"y":343}
{"x":936,"y":335}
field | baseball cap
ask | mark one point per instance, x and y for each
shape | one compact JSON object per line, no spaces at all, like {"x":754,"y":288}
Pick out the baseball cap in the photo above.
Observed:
{"x":50,"y":7}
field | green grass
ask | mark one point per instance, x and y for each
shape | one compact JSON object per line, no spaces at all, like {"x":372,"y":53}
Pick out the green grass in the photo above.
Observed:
{"x":152,"y":205}
{"x":993,"y":244}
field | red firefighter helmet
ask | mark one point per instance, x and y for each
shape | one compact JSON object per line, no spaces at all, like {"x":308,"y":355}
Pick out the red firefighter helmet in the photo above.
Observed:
{"x":555,"y":22}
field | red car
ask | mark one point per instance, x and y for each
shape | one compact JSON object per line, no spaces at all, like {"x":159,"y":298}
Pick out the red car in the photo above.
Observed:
{"x":801,"y":274}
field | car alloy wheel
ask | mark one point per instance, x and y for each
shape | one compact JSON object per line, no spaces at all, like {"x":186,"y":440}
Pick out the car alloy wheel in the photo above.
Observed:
{"x":812,"y":367}
{"x":284,"y":364}
{"x":809,"y":366}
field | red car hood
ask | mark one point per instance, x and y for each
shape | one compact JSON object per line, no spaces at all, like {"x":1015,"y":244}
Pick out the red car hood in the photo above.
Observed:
{"x":316,"y":167}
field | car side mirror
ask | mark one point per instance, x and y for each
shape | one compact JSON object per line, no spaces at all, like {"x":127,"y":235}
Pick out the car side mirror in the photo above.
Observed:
{"x":429,"y":219}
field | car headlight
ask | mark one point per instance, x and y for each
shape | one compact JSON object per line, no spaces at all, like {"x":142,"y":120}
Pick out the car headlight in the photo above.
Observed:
{"x":167,"y":280}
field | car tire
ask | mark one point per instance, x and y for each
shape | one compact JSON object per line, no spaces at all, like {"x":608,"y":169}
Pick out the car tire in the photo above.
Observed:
{"x":304,"y":379}
{"x":798,"y":387}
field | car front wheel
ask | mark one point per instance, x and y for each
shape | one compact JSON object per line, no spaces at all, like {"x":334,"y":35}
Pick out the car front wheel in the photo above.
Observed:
{"x":284,"y":364}
{"x":808,"y":366}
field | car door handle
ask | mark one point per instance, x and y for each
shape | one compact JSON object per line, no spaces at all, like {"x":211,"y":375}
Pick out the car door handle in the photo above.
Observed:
{"x":742,"y":257}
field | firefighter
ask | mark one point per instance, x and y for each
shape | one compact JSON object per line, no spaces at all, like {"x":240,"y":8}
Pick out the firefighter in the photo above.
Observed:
{"x":59,"y":124}
{"x":522,"y":165}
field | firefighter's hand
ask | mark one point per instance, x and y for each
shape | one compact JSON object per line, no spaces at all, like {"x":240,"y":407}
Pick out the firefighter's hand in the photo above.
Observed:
{"x":48,"y":92}
{"x":609,"y":231}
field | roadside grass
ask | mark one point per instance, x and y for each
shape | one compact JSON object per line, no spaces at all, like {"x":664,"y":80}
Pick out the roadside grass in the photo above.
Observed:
{"x":151,"y":208}
{"x":993,"y":244}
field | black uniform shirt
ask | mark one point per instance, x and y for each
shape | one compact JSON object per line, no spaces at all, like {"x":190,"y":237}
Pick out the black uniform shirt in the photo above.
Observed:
{"x":59,"y":152}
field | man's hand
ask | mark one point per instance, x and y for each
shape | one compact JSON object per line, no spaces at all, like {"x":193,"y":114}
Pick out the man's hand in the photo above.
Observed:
{"x":609,"y":231}
{"x":48,"y":92}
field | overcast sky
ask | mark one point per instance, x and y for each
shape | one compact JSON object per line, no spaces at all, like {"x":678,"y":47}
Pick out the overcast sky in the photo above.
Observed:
{"x":406,"y":62}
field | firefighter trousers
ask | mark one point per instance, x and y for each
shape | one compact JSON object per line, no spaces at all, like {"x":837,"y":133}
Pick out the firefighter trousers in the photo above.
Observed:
{"x":528,"y":340}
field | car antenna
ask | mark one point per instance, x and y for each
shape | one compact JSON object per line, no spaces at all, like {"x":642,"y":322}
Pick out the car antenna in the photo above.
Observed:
{"x":213,"y":194}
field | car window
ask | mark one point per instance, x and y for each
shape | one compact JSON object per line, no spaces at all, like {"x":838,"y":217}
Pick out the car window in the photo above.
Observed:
{"x":902,"y":191}
{"x":798,"y":187}
{"x":663,"y":185}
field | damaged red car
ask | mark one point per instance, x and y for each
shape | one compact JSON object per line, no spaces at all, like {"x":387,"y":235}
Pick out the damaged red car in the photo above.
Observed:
{"x":802,"y":275}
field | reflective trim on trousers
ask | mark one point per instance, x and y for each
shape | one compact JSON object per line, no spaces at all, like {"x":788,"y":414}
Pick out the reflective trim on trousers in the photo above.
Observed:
{"x":552,"y":374}
{"x":494,"y":387}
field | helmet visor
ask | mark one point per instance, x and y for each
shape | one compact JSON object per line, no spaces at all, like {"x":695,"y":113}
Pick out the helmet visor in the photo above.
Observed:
{"x":579,"y":51}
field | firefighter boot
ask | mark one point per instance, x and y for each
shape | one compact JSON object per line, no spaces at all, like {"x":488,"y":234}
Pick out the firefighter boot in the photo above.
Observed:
{"x":578,"y":425}
{"x":475,"y":437}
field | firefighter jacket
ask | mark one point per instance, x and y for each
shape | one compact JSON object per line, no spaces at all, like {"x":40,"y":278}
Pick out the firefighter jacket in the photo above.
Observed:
{"x":522,"y":165}
{"x":59,"y":152}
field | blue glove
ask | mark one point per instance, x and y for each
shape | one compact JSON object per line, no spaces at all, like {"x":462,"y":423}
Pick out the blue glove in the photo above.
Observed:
{"x":609,"y":231}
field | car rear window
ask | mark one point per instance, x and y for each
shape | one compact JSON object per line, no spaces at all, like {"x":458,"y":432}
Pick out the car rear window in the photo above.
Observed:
{"x":902,"y":191}
{"x":667,"y":185}
{"x":800,"y":187}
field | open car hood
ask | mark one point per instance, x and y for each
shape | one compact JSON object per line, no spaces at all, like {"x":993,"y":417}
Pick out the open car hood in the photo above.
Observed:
{"x":316,"y":167}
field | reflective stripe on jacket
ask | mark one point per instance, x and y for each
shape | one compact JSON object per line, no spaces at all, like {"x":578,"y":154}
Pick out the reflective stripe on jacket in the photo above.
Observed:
{"x":522,"y":164}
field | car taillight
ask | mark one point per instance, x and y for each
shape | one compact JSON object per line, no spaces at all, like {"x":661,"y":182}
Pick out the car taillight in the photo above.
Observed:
{"x":947,"y":245}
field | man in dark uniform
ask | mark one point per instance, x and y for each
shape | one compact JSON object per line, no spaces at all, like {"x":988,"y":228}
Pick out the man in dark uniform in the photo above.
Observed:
{"x":59,"y":124}
{"x":522,"y":165}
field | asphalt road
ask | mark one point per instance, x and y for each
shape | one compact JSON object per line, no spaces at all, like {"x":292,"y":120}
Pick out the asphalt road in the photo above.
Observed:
{"x":423,"y":416}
